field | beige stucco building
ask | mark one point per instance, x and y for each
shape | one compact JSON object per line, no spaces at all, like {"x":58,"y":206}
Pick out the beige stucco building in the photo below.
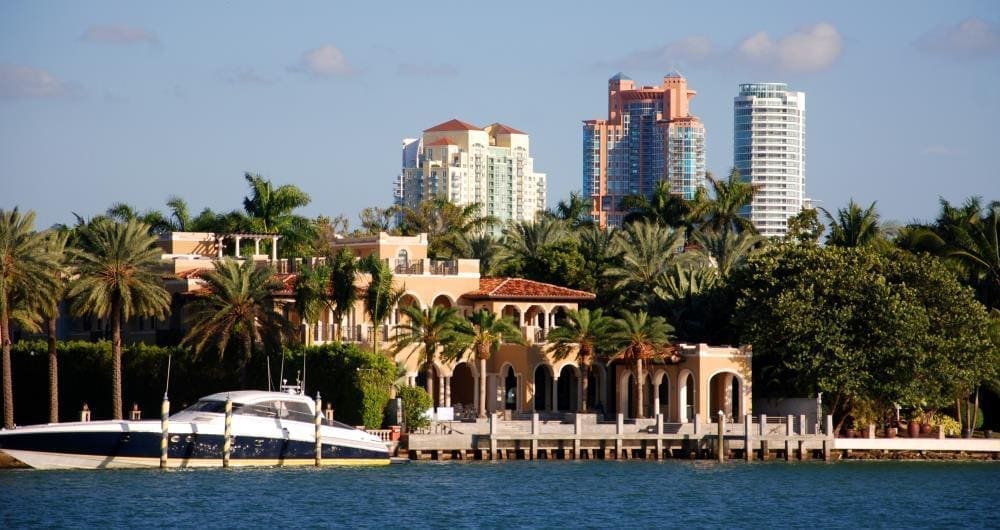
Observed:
{"x":519,"y":378}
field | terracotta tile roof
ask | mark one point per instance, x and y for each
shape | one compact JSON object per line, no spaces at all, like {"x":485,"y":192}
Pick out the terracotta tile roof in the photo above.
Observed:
{"x":442,"y":141}
{"x":505,"y":129}
{"x":188,"y":274}
{"x":453,"y":125}
{"x":521,"y":289}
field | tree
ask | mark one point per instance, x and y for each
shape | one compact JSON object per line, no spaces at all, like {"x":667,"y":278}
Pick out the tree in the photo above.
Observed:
{"x":481,"y":336}
{"x":853,"y":227}
{"x":118,"y":278}
{"x":343,"y":274}
{"x":665,"y":207}
{"x":647,"y":249}
{"x":429,"y":329}
{"x":312,"y":294}
{"x":600,"y":254}
{"x":444,"y":222}
{"x":380,"y":295}
{"x":977,"y":250}
{"x":575,"y":212}
{"x":640,"y":338}
{"x":726,"y":250}
{"x":49,"y":303}
{"x":374,"y":219}
{"x":270,"y":210}
{"x":27,"y":269}
{"x":237,"y":305}
{"x":588,"y":332}
{"x":731,"y":196}
{"x":805,"y":227}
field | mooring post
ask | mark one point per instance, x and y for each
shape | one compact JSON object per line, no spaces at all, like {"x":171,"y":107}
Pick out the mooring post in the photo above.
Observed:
{"x":319,"y":425}
{"x":85,"y":412}
{"x":722,"y":435}
{"x":534,"y":436}
{"x":659,"y":435}
{"x":828,"y":439}
{"x":620,"y":431}
{"x":577,"y":431}
{"x":789,"y":432}
{"x":493,"y":438}
{"x":227,"y":439}
{"x":164,"y":431}
{"x":748,"y":437}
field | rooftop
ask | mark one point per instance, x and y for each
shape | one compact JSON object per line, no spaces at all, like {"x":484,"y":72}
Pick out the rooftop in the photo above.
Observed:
{"x":453,"y":125}
{"x":521,"y":289}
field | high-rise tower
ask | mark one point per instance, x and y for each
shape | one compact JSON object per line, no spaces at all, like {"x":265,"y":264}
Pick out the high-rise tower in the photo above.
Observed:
{"x":769,"y":150}
{"x":649,"y":136}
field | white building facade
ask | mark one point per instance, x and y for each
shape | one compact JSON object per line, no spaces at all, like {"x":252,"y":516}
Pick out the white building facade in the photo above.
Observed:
{"x":769,"y":150}
{"x":466,"y":164}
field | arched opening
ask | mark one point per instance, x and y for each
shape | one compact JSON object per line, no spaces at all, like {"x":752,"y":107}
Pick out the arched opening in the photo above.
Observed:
{"x":724,"y":393}
{"x":513,"y":312}
{"x":558,"y":316}
{"x":597,"y":389}
{"x":432,"y":386}
{"x":568,"y":392}
{"x":664,"y":394}
{"x":405,"y":301}
{"x":510,"y":390}
{"x":686,"y":398}
{"x":542,"y":397}
{"x":403,"y":258}
{"x":442,"y":301}
{"x":630,"y":406}
{"x":463,"y":388}
{"x":647,"y":397}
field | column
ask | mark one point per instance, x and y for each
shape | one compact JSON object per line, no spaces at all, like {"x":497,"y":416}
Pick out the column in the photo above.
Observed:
{"x":238,"y":246}
{"x":727,"y":399}
{"x":555,"y":394}
{"x":219,"y":244}
{"x":274,"y":248}
{"x":256,"y":246}
{"x":440,"y":391}
{"x":655,"y":389}
{"x":475,"y":394}
{"x":447,"y":391}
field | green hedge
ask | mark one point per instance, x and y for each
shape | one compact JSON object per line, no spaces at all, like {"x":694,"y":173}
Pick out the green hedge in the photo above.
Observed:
{"x":416,"y":401}
{"x":85,"y":377}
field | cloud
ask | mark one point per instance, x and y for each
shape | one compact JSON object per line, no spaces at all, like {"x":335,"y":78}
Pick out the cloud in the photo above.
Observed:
{"x":938,"y":150}
{"x":970,"y":39}
{"x":810,"y":49}
{"x":119,"y":34}
{"x":325,"y":61}
{"x":689,"y":51}
{"x":244,"y":75}
{"x":426,"y":70}
{"x":17,"y":81}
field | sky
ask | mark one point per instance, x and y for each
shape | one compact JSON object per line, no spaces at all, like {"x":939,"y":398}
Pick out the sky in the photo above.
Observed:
{"x":104,"y":102}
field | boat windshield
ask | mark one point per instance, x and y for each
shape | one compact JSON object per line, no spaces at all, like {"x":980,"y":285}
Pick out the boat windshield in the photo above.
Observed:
{"x":207,"y":406}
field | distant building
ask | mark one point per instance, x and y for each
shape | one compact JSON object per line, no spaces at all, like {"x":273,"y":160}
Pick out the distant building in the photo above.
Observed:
{"x":769,"y":150}
{"x":467,"y":164}
{"x":649,"y":136}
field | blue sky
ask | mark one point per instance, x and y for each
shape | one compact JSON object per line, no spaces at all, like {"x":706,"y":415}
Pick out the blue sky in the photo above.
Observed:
{"x":135,"y":101}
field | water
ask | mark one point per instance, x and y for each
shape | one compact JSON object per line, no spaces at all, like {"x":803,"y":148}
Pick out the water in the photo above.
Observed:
{"x":556,"y":494}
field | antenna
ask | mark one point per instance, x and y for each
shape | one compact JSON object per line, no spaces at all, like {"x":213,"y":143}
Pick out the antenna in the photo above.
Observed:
{"x":302,"y":383}
{"x":166,"y":389}
{"x":268,"y":373}
{"x":281,"y":374}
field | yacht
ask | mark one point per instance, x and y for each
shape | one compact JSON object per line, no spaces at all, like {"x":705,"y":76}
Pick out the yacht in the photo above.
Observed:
{"x":267,"y":429}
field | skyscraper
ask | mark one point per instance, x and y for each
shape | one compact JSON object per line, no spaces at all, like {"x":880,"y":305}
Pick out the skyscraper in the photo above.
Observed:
{"x":649,"y":136}
{"x":467,"y":164}
{"x":769,"y":149}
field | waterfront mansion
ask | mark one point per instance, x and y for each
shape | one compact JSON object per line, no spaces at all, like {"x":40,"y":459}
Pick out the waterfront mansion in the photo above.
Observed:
{"x":519,"y":378}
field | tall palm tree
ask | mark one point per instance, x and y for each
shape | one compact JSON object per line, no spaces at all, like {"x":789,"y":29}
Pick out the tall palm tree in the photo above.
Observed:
{"x":121,"y":212}
{"x":444,"y":222}
{"x":27,"y":269}
{"x":665,"y":207}
{"x":118,"y":278}
{"x":524,"y":240}
{"x":49,"y":309}
{"x":343,"y":274}
{"x":731,"y":196}
{"x":429,"y":329}
{"x":641,"y":338}
{"x":575,"y":212}
{"x":979,"y":254}
{"x":312,"y":294}
{"x":380,"y":295}
{"x":587,"y":332}
{"x":481,"y":336}
{"x":727,"y":250}
{"x":236,"y":305}
{"x":270,"y":210}
{"x":647,"y":249}
{"x":853,"y":227}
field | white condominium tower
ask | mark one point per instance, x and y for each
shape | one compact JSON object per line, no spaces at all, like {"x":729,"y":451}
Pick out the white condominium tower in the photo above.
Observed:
{"x":466,"y":164}
{"x":769,"y":150}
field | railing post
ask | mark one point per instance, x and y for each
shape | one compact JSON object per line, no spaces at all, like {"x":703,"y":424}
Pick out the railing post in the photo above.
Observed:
{"x":803,"y":429}
{"x":789,"y":431}
{"x":697,"y":423}
{"x":533,"y":444}
{"x":748,"y":437}
{"x":620,"y":431}
{"x":493,"y":438}
{"x":722,"y":436}
{"x":577,"y":431}
{"x":659,"y":435}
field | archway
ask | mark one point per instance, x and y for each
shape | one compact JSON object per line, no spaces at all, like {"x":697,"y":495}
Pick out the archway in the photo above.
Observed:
{"x":597,"y":400}
{"x":433,"y":388}
{"x":568,"y":391}
{"x":513,"y":312}
{"x":542,"y":397}
{"x":664,"y":394}
{"x":686,"y":397}
{"x":630,"y":405}
{"x":442,"y":301}
{"x":406,"y":300}
{"x":463,"y":388}
{"x":510,"y":390}
{"x":725,"y":394}
{"x":647,"y":397}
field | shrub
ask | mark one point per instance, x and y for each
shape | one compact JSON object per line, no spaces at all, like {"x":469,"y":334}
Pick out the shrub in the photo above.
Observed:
{"x":416,"y":401}
{"x":949,"y":425}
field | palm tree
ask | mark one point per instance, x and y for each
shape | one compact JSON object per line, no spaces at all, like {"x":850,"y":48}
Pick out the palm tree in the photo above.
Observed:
{"x":979,"y":254}
{"x":118,"y":278}
{"x":586,"y":331}
{"x":269,"y":210}
{"x":236,"y":304}
{"x":647,"y":249}
{"x":343,"y":274}
{"x":640,"y":338}
{"x":853,"y":227}
{"x":49,"y":309}
{"x":121,"y":212}
{"x":575,"y":212}
{"x":27,"y":269}
{"x":312,"y":294}
{"x":380,"y":295}
{"x":726,"y":250}
{"x":665,"y":207}
{"x":430,"y":329}
{"x":482,"y":335}
{"x":524,"y":240}
{"x":444,"y":222}
{"x":731,"y":197}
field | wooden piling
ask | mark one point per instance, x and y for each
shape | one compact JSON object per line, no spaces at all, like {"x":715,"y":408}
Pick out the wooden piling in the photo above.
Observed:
{"x":227,"y":437}
{"x":748,"y":438}
{"x":164,"y":431}
{"x":720,"y":449}
{"x":319,"y":429}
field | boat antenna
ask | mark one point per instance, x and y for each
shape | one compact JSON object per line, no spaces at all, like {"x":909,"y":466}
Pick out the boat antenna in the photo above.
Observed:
{"x":268,"y":372}
{"x":302,"y":384}
{"x":281,"y":374}
{"x":166,"y":389}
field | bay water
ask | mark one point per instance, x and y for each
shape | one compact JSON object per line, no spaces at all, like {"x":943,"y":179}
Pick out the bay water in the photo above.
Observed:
{"x":514,"y":494}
